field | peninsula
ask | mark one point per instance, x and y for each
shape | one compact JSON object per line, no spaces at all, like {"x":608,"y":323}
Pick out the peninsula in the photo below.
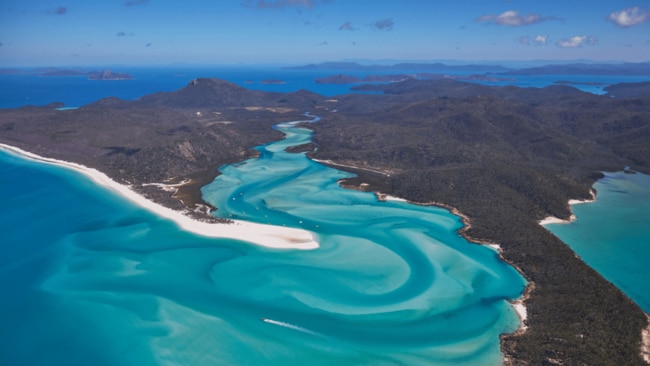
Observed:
{"x":504,"y":157}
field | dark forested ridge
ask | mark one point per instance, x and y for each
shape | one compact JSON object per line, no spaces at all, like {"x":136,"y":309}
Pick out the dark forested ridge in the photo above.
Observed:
{"x":504,"y":156}
{"x":163,"y":137}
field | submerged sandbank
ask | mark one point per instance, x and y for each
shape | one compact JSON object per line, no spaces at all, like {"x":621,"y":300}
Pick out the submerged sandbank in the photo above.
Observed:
{"x":518,"y":304}
{"x":260,"y":234}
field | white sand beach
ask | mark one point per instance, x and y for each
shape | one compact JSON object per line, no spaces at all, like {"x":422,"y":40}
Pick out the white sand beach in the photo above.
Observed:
{"x":555,"y":220}
{"x":645,"y":342}
{"x":388,"y":197}
{"x":522,"y":313}
{"x":264,"y":235}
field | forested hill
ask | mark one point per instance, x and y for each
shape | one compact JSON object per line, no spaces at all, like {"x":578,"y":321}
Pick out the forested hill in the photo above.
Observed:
{"x":507,"y":157}
{"x":504,"y":156}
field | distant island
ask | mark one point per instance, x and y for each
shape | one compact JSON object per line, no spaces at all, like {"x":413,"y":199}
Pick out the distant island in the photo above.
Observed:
{"x":273,"y":82}
{"x":109,"y":75}
{"x":636,"y":69}
{"x":54,"y":71}
{"x":439,"y":67}
{"x":350,"y":79}
{"x":62,"y":72}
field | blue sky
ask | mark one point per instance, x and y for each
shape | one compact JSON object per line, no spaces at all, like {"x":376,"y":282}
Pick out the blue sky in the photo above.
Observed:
{"x":84,"y":32}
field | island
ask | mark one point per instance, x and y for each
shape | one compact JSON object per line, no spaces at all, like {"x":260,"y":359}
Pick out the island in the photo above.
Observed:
{"x":429,"y":67}
{"x":502,"y":157}
{"x":395,"y":78}
{"x":273,"y":82}
{"x":629,"y":68}
{"x":109,"y":75}
{"x":55,"y":71}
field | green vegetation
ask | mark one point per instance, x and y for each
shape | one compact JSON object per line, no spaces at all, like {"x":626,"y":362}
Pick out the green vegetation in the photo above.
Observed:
{"x":506,"y":162}
{"x":505,"y":157}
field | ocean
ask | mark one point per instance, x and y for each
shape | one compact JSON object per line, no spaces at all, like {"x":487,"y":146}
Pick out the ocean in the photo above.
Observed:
{"x":612,"y":234}
{"x":88,"y":277}
{"x":74,"y":91}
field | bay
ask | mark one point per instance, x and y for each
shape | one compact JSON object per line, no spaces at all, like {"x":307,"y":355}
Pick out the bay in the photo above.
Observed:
{"x":612,"y":234}
{"x":89,"y":278}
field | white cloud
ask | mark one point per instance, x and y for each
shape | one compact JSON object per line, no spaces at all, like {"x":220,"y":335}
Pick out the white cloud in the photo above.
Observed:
{"x":630,"y":17}
{"x":577,"y":41}
{"x":541,"y":40}
{"x":512,"y":18}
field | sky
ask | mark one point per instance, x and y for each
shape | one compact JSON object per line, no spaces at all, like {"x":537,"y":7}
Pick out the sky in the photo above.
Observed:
{"x":223,"y":32}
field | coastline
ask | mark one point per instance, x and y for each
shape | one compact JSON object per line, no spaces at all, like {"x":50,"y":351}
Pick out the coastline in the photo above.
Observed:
{"x":518,"y":304}
{"x":555,"y":220}
{"x":259,"y":234}
{"x":645,"y":342}
{"x":331,"y":163}
{"x":645,"y":333}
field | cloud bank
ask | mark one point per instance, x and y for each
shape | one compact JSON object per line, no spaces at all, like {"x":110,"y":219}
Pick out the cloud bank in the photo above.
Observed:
{"x":629,"y":17}
{"x":512,"y":18}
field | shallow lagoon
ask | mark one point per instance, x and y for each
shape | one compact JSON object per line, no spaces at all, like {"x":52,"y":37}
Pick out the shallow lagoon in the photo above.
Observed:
{"x":612,"y":234}
{"x":90,"y":278}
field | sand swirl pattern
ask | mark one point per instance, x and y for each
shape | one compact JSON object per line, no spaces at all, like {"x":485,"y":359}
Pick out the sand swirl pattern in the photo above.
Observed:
{"x":105,"y":282}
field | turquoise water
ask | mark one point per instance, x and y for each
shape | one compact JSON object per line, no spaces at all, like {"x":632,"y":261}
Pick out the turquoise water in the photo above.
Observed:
{"x":612,"y":234}
{"x":88,"y":278}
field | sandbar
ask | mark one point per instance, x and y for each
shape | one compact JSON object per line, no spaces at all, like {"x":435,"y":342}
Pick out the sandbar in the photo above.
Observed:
{"x":264,"y":235}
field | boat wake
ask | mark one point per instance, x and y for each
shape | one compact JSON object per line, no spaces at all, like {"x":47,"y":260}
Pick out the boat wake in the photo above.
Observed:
{"x":291,"y":326}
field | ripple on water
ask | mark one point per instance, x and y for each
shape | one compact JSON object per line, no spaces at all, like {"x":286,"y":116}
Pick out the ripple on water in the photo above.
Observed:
{"x":392,"y":283}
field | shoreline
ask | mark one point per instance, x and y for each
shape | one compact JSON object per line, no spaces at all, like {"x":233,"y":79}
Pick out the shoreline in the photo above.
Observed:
{"x":555,"y":220}
{"x":645,"y":342}
{"x":518,"y":304}
{"x":263,"y":235}
{"x":329,"y":162}
{"x":645,"y":333}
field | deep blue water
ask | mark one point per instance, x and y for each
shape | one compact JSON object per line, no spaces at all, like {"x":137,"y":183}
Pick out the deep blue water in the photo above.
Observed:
{"x":75,"y":91}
